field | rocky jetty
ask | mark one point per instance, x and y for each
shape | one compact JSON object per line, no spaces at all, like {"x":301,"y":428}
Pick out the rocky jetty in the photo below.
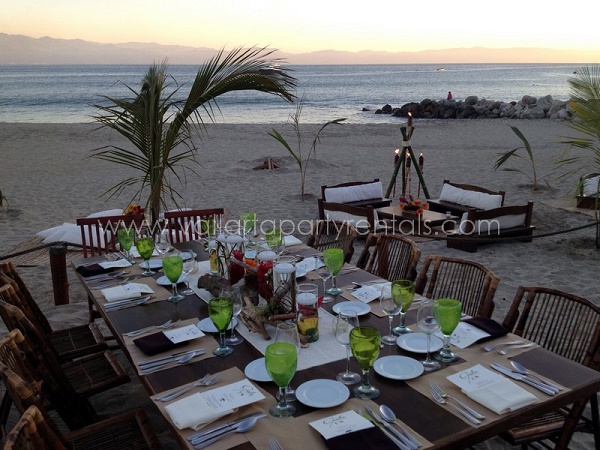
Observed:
{"x":474,"y":108}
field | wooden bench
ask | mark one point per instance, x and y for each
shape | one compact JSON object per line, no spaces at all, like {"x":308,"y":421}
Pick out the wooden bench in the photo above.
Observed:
{"x":588,"y":190}
{"x":353,"y":202}
{"x":479,"y":227}
{"x":460,"y":198}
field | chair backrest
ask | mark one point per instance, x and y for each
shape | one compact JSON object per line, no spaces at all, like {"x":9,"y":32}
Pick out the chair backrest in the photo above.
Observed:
{"x":99,"y":234}
{"x":32,"y":432}
{"x":472,"y":187}
{"x":12,"y":357}
{"x":9,"y":275}
{"x":390,"y":256}
{"x":473,"y":284}
{"x":560,"y":322}
{"x":192,"y":224}
{"x":333,"y":234}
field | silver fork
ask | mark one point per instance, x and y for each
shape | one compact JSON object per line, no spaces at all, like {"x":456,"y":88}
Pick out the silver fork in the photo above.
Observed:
{"x":206,"y":380}
{"x":274,"y":444}
{"x":491,"y":348}
{"x":442,"y":401}
{"x":445,"y":395}
{"x":506,"y":350}
{"x":168,"y":324}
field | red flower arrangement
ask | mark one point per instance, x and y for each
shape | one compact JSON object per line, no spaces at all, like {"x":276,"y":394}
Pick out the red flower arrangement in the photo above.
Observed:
{"x":413,"y":205}
{"x":132,"y":208}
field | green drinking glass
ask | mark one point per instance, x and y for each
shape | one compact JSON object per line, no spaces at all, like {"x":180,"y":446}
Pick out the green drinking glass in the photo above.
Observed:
{"x":403,"y":293}
{"x":334,"y":261}
{"x":446,"y":312}
{"x":220,"y":311}
{"x":173,"y":268}
{"x":145,"y":247}
{"x":364,"y":343}
{"x":248,"y":222}
{"x":274,"y":240}
{"x":125,"y":237}
{"x":281,"y":361}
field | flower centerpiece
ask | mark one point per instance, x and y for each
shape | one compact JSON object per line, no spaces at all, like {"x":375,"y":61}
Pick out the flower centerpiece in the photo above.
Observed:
{"x":413,"y":205}
{"x":133,"y":208}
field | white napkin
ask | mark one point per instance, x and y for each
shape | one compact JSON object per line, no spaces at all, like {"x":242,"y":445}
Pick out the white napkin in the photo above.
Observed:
{"x":136,"y":254}
{"x":193,"y":412}
{"x":308,"y":264}
{"x":118,"y":263}
{"x":290,"y":240}
{"x":502,"y":396}
{"x":130,"y":290}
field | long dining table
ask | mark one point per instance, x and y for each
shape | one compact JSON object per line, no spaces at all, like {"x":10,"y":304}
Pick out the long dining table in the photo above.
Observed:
{"x":435,"y":426}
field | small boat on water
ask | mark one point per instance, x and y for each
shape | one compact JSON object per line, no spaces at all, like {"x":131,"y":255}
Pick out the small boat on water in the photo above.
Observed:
{"x":440,"y":69}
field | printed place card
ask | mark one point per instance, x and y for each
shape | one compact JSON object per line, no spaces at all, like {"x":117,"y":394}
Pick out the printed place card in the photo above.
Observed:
{"x":118,"y":263}
{"x":368,"y":293}
{"x":474,"y":378}
{"x":129,"y":290}
{"x":339,"y":424}
{"x":464,"y":335}
{"x":232,"y":396}
{"x":308,"y":264}
{"x":183,"y":334}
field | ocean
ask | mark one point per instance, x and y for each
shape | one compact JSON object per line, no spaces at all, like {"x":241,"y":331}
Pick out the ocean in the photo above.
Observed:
{"x":65,"y":94}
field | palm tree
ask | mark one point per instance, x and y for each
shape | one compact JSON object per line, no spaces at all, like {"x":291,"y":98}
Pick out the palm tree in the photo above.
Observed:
{"x":161,"y":128}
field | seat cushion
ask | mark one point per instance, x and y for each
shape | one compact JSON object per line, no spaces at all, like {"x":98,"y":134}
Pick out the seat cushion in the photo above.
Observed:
{"x":492,"y":225}
{"x":473,"y":199}
{"x":347,"y":194}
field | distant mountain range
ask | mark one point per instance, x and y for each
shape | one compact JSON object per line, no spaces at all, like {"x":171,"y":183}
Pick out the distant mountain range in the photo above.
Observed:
{"x":24,"y":50}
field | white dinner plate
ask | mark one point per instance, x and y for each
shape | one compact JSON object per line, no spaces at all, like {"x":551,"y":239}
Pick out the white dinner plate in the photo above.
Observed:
{"x":398,"y":367}
{"x":322,"y":393}
{"x":164,"y":281}
{"x":359,"y":307}
{"x":207,"y":326}
{"x":257,"y":371}
{"x":417,"y":343}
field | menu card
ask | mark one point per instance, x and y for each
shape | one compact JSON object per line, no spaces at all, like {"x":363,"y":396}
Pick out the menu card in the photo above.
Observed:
{"x":474,"y":378}
{"x":308,"y":264}
{"x":118,"y":263}
{"x":129,"y":290}
{"x":183,"y":334}
{"x":464,"y":335}
{"x":369,"y":292}
{"x":339,"y":424}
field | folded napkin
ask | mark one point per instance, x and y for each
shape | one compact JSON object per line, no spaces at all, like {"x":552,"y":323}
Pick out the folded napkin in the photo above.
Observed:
{"x":127,"y":291}
{"x":156,"y":343}
{"x":193,"y":412}
{"x":370,"y":438}
{"x":92,"y":270}
{"x":122,"y":262}
{"x":490,"y":326}
{"x":290,"y":240}
{"x":502,"y":396}
{"x":135,"y":254}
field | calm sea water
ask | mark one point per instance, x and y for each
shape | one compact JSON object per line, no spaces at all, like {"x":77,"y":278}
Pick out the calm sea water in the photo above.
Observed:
{"x":65,"y":94}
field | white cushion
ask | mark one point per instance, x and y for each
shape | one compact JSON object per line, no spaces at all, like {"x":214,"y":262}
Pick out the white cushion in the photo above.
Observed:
{"x":473,"y":199}
{"x":492,"y":225}
{"x":67,"y":232}
{"x":109,"y":212}
{"x":48,"y":231}
{"x":360,"y":222}
{"x":590,"y":186}
{"x":356,"y":193}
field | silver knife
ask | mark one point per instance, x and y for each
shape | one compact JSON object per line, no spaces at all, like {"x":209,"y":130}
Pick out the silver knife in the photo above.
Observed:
{"x":396,"y":433}
{"x":114,"y":304}
{"x":215,"y":431}
{"x":169,"y":357}
{"x":169,"y":360}
{"x":102,"y":276}
{"x":515,"y":376}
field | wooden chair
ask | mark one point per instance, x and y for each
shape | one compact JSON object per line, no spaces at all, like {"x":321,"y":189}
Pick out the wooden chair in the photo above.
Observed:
{"x":99,"y":234}
{"x":390,"y":256}
{"x":333,"y":234}
{"x":473,"y":284}
{"x":565,"y":324}
{"x":191,"y":224}
{"x":32,"y":432}
{"x":69,"y":343}
{"x":86,"y":376}
{"x":127,"y":430}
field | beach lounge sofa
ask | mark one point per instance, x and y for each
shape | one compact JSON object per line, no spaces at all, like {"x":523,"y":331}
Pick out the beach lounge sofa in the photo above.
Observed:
{"x":588,"y":197}
{"x":354,"y":202}
{"x":479,"y":227}
{"x":460,"y":198}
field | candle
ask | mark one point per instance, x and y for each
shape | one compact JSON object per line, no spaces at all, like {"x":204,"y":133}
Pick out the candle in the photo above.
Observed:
{"x":408,"y":160}
{"x":421,"y":161}
{"x":396,"y":156}
{"x":410,"y":119}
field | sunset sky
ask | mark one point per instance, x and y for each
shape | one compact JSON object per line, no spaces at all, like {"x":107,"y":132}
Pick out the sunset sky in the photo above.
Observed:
{"x":311,"y":25}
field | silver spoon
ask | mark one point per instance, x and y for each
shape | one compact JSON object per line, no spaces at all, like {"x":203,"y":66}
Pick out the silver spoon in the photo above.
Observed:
{"x":523,"y":371}
{"x":182,"y":360}
{"x":389,"y":416}
{"x":243,"y":426}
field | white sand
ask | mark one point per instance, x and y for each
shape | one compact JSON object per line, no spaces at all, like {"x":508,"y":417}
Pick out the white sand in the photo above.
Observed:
{"x":48,"y":180}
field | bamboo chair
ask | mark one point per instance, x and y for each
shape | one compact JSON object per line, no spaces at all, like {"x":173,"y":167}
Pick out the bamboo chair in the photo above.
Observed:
{"x":333,"y":234}
{"x":473,"y":284}
{"x":390,"y":256}
{"x":192,"y":224}
{"x":70,"y":342}
{"x":87,"y":375}
{"x":127,"y":430}
{"x":99,"y":234}
{"x":32,"y":432}
{"x":567,"y":325}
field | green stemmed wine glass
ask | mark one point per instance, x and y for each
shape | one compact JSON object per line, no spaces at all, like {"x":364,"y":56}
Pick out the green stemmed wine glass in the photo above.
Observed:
{"x":447,"y":313}
{"x":220,"y":311}
{"x":125,"y":237}
{"x":248,"y":222}
{"x":281,"y":361}
{"x":334,"y":261}
{"x":173,"y":268}
{"x":274,"y":240}
{"x":364,"y":343}
{"x":403,"y":292}
{"x":145,"y":247}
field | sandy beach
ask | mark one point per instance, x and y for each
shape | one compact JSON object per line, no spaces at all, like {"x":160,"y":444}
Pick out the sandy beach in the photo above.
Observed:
{"x":48,"y":180}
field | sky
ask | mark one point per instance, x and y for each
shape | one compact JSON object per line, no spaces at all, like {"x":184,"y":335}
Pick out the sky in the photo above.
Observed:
{"x":313,"y":25}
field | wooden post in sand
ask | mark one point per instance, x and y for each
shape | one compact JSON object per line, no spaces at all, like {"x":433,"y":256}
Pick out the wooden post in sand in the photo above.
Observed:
{"x":58,"y":269}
